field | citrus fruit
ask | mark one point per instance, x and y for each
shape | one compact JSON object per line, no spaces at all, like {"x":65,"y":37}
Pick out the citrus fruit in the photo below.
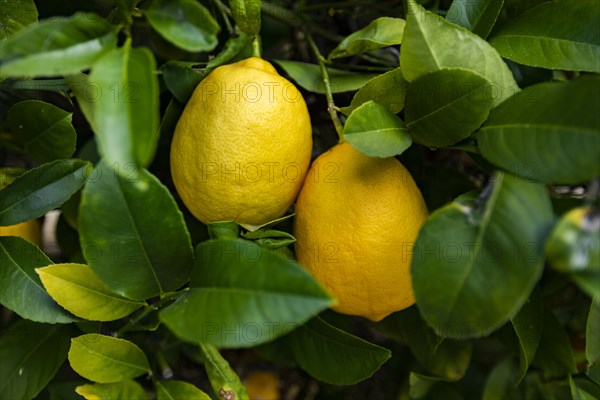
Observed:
{"x":262,"y":385}
{"x":242,"y":146}
{"x":29,"y":230}
{"x":357,"y":219}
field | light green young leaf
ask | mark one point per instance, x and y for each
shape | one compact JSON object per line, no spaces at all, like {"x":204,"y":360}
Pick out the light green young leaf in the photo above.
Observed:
{"x":77,"y":289}
{"x":185,"y":23}
{"x":179,"y":390}
{"x":105,"y":359}
{"x":382,"y":32}
{"x":87,"y":93}
{"x":560,"y":34}
{"x":130,"y":390}
{"x":478,"y":16}
{"x":373,"y":130}
{"x":388,"y":90}
{"x":16,"y":14}
{"x":223,"y":379}
{"x":247,"y":15}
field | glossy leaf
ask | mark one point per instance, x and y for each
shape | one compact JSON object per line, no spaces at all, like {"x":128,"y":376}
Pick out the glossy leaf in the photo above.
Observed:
{"x":560,"y":34}
{"x":77,"y":289}
{"x":40,"y":190}
{"x":223,"y":379}
{"x":247,"y":15}
{"x":382,"y":32}
{"x":478,"y":16}
{"x":130,"y":390}
{"x":185,"y":23}
{"x":554,"y":355}
{"x":20,"y":288}
{"x":320,"y":349}
{"x":446,"y":106}
{"x":549,"y":132}
{"x":175,"y":390}
{"x":56,"y":46}
{"x":431,"y":43}
{"x":16,"y":14}
{"x":44,"y":130}
{"x":149,"y":255}
{"x":388,"y":90}
{"x":181,"y":78}
{"x":309,"y":77}
{"x":105,"y":359}
{"x":486,"y":269}
{"x":373,"y":130}
{"x":528,"y":325}
{"x":126,"y":114}
{"x":242,"y":295}
{"x":31,"y":354}
{"x":592,"y":348}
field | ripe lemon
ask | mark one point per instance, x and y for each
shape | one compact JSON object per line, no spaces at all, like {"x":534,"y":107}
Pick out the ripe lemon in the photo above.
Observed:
{"x":29,"y":230}
{"x":242,"y":146}
{"x":262,"y":385}
{"x":357,"y":219}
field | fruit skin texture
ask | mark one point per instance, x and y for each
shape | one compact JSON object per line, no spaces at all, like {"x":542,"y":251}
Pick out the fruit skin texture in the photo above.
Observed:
{"x":357,"y":219}
{"x":242,"y":146}
{"x":29,"y":230}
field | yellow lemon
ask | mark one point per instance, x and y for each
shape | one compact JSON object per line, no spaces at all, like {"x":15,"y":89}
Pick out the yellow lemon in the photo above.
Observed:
{"x":262,"y":385}
{"x":357,"y":219}
{"x":29,"y":230}
{"x":242,"y":146}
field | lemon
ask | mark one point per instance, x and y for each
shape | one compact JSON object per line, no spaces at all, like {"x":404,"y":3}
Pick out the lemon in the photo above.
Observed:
{"x":357,"y":219}
{"x":262,"y":385}
{"x":242,"y":146}
{"x":29,"y":230}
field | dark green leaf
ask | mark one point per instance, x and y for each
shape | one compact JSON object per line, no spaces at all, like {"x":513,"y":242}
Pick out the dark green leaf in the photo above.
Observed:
{"x":126,"y":113}
{"x":130,"y":390}
{"x":185,"y":23}
{"x":592,"y":348}
{"x":31,"y":354}
{"x":373,"y":130}
{"x":179,"y":390}
{"x":132,"y":233}
{"x":20,"y":288}
{"x":560,"y":34}
{"x":478,"y":16}
{"x":387,"y":89}
{"x":40,"y":190}
{"x":431,"y":43}
{"x":528,"y":325}
{"x":44,"y":130}
{"x":309,"y":77}
{"x":16,"y":14}
{"x":382,"y":32}
{"x":548,"y":132}
{"x":446,"y":106}
{"x":421,"y":385}
{"x":486,"y":262}
{"x":242,"y":295}
{"x":500,"y":383}
{"x":64,"y":390}
{"x":181,"y":78}
{"x":247,"y":15}
{"x":57,"y":46}
{"x":232,"y":50}
{"x":584,"y":389}
{"x":223,"y":379}
{"x":554,"y":355}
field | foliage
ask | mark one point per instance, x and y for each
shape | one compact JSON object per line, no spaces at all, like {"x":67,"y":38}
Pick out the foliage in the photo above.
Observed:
{"x":491,"y":104}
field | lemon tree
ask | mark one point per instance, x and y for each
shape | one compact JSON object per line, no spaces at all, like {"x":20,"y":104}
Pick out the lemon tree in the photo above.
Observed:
{"x":244,"y":199}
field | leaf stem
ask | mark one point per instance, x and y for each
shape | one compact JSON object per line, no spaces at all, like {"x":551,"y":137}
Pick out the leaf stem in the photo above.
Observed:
{"x":331,"y":108}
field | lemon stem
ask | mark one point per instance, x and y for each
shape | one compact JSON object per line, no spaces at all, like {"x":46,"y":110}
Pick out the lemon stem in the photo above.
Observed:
{"x":331,"y":108}
{"x":256,"y":46}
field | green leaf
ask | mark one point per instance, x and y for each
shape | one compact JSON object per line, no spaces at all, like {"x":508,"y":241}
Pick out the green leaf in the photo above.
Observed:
{"x":126,"y":114}
{"x":40,"y":190}
{"x":499,"y":384}
{"x":105,"y":359}
{"x":309,"y":77}
{"x":478,"y":16}
{"x":373,"y":130}
{"x":77,"y":289}
{"x":270,"y":238}
{"x":548,"y":132}
{"x":247,"y":15}
{"x":149,"y":255}
{"x":16,"y":14}
{"x":421,"y":385}
{"x":242,"y":295}
{"x":233,"y":49}
{"x":592,"y":333}
{"x":64,"y":390}
{"x":528,"y":325}
{"x":56,"y":46}
{"x":31,"y":355}
{"x":87,"y":94}
{"x":445,"y":106}
{"x":388,"y":90}
{"x":185,"y":23}
{"x":430,"y":43}
{"x":20,"y":288}
{"x":44,"y":130}
{"x":181,"y":78}
{"x":554,"y":355}
{"x":382,"y":32}
{"x":223,"y":230}
{"x":223,"y":379}
{"x":583,"y":389}
{"x":334,"y":356}
{"x":130,"y":390}
{"x":485,"y":261}
{"x":574,"y":248}
{"x":175,"y":390}
{"x":560,"y":34}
